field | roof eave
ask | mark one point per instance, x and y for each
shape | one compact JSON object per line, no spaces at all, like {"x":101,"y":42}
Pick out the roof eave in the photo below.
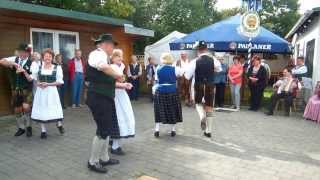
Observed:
{"x":130,"y":29}
{"x":301,"y":21}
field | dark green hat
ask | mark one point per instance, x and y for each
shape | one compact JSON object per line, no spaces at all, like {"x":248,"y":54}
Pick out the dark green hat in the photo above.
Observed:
{"x":24,"y":47}
{"x":202,"y":45}
{"x":105,"y":38}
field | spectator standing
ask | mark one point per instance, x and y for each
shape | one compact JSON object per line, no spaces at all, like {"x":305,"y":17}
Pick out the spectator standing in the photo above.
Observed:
{"x":257,"y":80}
{"x":61,"y":88}
{"x":35,"y":57}
{"x":134,"y":73}
{"x":235,"y":74}
{"x":220,"y":79}
{"x":151,"y":71}
{"x":183,"y":83}
{"x":76,"y":75}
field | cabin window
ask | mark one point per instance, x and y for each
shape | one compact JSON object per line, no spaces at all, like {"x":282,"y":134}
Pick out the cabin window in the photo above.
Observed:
{"x":62,"y":42}
{"x":310,"y":56}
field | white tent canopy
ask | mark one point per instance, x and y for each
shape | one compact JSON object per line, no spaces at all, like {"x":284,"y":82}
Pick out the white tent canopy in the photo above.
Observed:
{"x":155,"y":50}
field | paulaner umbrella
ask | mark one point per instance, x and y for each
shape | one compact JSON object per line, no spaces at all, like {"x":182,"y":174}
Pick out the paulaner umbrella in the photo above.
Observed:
{"x":225,"y":36}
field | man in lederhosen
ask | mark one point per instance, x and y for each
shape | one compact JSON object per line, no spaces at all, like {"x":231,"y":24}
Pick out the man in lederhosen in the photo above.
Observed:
{"x":202,"y":69}
{"x":21,"y":88}
{"x":100,"y":99}
{"x":183,"y":83}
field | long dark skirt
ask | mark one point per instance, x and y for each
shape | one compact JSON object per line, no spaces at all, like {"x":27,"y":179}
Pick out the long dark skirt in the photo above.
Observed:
{"x":167,"y":108}
{"x":104,"y":114}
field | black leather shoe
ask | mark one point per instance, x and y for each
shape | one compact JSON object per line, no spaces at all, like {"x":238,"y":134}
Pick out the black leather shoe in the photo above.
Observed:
{"x":269,"y":113}
{"x":117,"y":151}
{"x":109,"y":163}
{"x":156,"y":134}
{"x":208,"y":135}
{"x":61,"y":129}
{"x":97,"y":168}
{"x":173,"y":133}
{"x":43,"y":135}
{"x":29,"y":131}
{"x":20,"y":132}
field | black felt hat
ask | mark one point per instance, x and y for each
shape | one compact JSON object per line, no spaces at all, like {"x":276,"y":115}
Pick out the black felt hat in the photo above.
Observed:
{"x":24,"y":47}
{"x":201,"y":45}
{"x":105,"y":38}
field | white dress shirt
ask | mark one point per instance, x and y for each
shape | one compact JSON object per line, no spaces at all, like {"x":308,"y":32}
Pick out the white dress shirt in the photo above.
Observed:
{"x":97,"y":58}
{"x":191,"y":68}
{"x":78,"y":65}
{"x":300,"y":70}
{"x":13,"y":59}
{"x":134,"y":66}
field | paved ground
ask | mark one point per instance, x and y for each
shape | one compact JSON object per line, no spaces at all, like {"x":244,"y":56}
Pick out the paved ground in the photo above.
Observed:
{"x":245,"y":145}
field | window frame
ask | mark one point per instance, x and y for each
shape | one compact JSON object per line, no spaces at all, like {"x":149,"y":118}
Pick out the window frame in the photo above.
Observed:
{"x":55,"y":33}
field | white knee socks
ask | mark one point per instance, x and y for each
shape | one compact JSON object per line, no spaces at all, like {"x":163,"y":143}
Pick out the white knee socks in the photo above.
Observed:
{"x":209,"y":122}
{"x":157,"y":127}
{"x":201,"y":111}
{"x":43,"y":127}
{"x":96,"y":148}
{"x":104,"y":154}
{"x":115,"y":144}
{"x":59,"y":123}
{"x":173,"y":127}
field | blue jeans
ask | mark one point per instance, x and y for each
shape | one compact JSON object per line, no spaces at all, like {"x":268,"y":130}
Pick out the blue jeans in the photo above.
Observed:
{"x":77,"y":85}
{"x":235,"y":94}
{"x":134,"y":92}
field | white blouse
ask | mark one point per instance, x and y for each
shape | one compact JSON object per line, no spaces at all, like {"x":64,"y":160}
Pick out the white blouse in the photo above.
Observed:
{"x":35,"y":70}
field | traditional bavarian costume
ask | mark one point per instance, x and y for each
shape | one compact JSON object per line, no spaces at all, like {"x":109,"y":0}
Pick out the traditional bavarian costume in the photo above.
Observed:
{"x":167,"y":105}
{"x":134,"y":70}
{"x":202,"y":69}
{"x":21,"y":92}
{"x":183,"y":83}
{"x":125,"y":114}
{"x":100,"y":99}
{"x":47,"y":105}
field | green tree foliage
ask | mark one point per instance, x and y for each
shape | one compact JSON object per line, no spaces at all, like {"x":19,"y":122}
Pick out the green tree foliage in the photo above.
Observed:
{"x":165,"y":16}
{"x":279,"y":16}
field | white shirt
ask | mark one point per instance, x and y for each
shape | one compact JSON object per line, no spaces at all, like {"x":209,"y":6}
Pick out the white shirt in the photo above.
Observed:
{"x":300,"y":70}
{"x":97,"y":58}
{"x":183,"y":63}
{"x":13,"y":59}
{"x":134,"y":66}
{"x":190,"y":70}
{"x":78,"y":65}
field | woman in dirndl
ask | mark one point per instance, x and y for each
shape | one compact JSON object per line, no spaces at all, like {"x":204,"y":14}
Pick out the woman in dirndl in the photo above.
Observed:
{"x":312,"y":111}
{"x":125,"y":115}
{"x":46,"y":104}
{"x":167,"y":105}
